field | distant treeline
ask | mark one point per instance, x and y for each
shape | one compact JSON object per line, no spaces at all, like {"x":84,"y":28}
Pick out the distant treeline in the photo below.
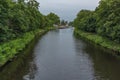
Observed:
{"x":104,"y":21}
{"x":19,"y":16}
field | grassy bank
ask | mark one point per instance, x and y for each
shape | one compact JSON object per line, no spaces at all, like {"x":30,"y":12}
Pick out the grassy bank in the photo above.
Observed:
{"x":10,"y":49}
{"x":19,"y":64}
{"x":115,"y":47}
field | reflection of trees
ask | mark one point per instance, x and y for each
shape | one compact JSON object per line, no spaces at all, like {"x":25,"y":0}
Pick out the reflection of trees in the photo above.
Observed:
{"x":106,"y":66}
{"x":20,"y":66}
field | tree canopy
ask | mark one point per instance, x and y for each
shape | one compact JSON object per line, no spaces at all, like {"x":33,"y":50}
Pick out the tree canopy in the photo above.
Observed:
{"x":20,"y":16}
{"x":105,"y":20}
{"x":53,"y":18}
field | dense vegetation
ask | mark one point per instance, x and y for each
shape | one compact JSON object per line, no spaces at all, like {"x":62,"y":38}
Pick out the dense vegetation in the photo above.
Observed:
{"x":63,"y":22}
{"x":11,"y":48}
{"x":20,"y":22}
{"x":19,"y":17}
{"x":54,"y":19}
{"x":104,"y":21}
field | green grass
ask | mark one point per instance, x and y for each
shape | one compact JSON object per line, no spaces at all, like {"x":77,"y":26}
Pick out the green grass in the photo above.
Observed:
{"x":9,"y":49}
{"x":99,"y":40}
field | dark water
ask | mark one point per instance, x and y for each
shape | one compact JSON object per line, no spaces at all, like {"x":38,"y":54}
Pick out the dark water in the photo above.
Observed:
{"x":60,"y":56}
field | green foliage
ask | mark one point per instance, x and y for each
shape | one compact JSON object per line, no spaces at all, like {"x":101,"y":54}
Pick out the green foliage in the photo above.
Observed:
{"x":104,"y":42}
{"x":105,"y":20}
{"x":19,"y":17}
{"x":108,"y":19}
{"x":63,"y":22}
{"x":20,"y":22}
{"x":70,"y":23}
{"x":85,"y":21}
{"x":9,"y":49}
{"x":53,"y":18}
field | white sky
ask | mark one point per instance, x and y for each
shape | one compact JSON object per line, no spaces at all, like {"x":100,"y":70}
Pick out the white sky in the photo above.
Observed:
{"x":66,"y":9}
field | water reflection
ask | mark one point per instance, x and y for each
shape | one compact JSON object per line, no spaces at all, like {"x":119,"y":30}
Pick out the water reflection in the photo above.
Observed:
{"x":20,"y":66}
{"x":57,"y":58}
{"x":60,"y":56}
{"x":85,"y":59}
{"x":106,"y":66}
{"x":32,"y":71}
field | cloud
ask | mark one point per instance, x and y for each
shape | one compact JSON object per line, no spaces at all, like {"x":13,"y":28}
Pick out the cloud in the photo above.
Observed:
{"x":66,"y":9}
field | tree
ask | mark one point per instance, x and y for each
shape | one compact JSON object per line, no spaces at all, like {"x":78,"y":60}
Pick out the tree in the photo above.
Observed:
{"x":18,"y":17}
{"x":54,"y":19}
{"x":33,"y":4}
{"x":105,"y":20}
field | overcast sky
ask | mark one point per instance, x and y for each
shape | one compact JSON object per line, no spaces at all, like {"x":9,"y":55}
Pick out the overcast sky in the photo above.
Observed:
{"x":66,"y":9}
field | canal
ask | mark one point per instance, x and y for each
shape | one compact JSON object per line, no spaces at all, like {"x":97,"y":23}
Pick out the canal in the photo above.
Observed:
{"x":58,"y":55}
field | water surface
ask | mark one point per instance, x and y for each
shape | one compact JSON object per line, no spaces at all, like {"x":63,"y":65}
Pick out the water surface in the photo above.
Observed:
{"x":58,"y":55}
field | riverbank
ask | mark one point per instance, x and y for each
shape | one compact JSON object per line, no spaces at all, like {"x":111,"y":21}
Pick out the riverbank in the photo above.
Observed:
{"x":11,"y":49}
{"x":112,"y":46}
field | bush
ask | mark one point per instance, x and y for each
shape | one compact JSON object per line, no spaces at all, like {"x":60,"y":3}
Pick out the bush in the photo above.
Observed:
{"x":9,"y":49}
{"x":102,"y":41}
